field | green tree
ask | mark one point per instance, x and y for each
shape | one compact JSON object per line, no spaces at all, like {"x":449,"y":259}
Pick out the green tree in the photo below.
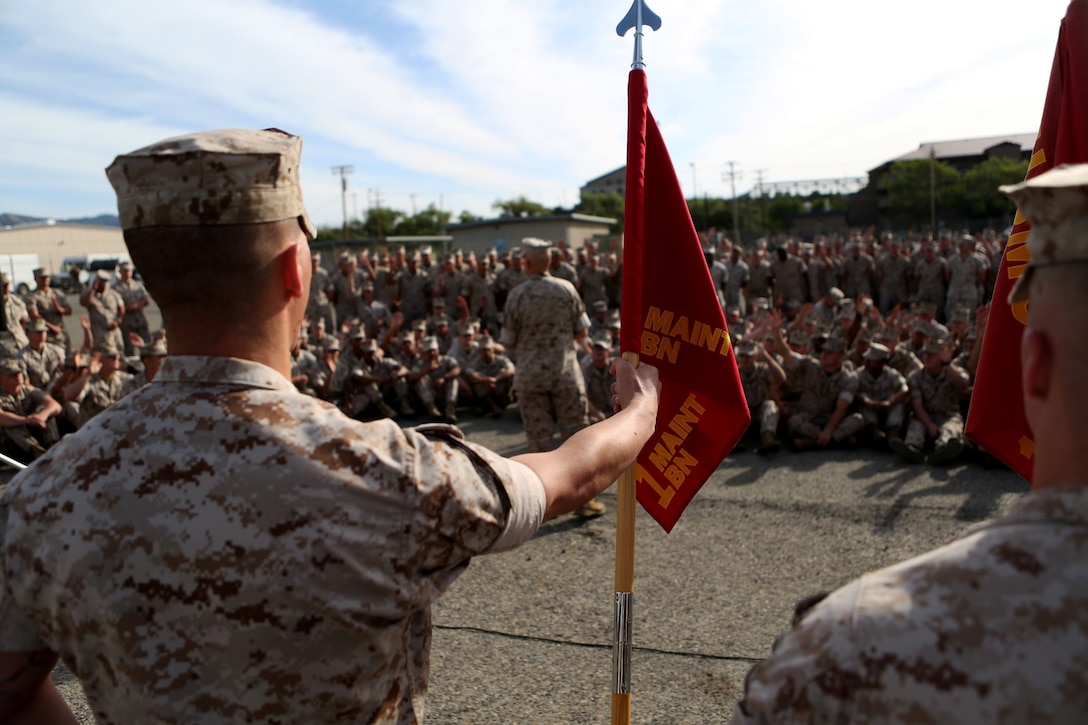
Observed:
{"x":467,"y":217}
{"x":606,"y":205}
{"x":781,"y":210}
{"x":980,"y":195}
{"x":521,"y":206}
{"x":429,"y":221}
{"x":381,"y":222}
{"x":908,"y":187}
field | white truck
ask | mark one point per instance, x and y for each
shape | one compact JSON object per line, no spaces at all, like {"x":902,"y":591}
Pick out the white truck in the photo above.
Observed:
{"x":21,"y":268}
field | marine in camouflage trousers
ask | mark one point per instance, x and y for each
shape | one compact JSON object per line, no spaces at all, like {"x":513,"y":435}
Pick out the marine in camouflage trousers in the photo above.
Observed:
{"x":950,"y":425}
{"x":564,"y":405}
{"x":810,"y":425}
{"x":766,"y":415}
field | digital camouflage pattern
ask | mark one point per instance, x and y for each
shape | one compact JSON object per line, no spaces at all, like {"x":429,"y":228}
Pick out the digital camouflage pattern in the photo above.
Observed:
{"x":26,"y":401}
{"x":100,"y":393}
{"x":233,"y":176}
{"x":42,"y":366}
{"x":543,"y":315}
{"x":992,"y":628}
{"x":104,"y":311}
{"x":762,"y":407}
{"x":1056,"y":202}
{"x":820,"y":396}
{"x":220,"y":548}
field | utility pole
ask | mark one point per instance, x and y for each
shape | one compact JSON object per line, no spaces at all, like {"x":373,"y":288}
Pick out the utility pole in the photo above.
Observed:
{"x":377,"y":207}
{"x":736,"y":213}
{"x":762,"y":200}
{"x":344,"y":171}
{"x":933,"y":190}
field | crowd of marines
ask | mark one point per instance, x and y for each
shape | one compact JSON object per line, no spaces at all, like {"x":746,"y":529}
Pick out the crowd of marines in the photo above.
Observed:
{"x":51,"y":385}
{"x":840,"y":341}
{"x":862,"y":340}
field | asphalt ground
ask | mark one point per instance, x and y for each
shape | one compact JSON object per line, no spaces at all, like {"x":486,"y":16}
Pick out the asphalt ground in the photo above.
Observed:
{"x":525,"y":637}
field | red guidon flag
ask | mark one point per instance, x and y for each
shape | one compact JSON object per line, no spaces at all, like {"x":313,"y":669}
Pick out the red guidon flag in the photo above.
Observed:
{"x":672,"y":318}
{"x":996,"y":418}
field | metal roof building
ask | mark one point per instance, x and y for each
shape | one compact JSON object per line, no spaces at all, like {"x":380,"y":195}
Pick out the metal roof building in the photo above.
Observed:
{"x":53,"y":243}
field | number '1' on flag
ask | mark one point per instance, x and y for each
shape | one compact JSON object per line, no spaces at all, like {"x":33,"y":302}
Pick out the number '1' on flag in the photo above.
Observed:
{"x":672,"y":318}
{"x":996,"y":419}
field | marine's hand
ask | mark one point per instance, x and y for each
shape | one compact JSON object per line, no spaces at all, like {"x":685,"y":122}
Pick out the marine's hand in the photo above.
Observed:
{"x":634,"y":384}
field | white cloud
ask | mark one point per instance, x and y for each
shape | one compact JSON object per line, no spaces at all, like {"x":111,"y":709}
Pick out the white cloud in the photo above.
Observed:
{"x":497,"y":98}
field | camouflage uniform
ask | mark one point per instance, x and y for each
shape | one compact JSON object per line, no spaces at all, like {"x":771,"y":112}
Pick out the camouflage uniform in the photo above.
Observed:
{"x":137,"y":381}
{"x":857,"y":273}
{"x":760,"y":278}
{"x":757,"y":390}
{"x":319,"y":307}
{"x":98,"y":394}
{"x":132,"y":293}
{"x":941,"y":400}
{"x":894,"y":281}
{"x":345,"y":289}
{"x":42,"y":366}
{"x":598,"y":385}
{"x":304,"y":363}
{"x":364,"y":396}
{"x":413,"y":288}
{"x":481,"y":300}
{"x":564,"y":271}
{"x":719,"y":275}
{"x":883,"y":388}
{"x":425,"y":386}
{"x":14,"y":314}
{"x":903,"y":361}
{"x":789,"y":278}
{"x":505,"y":281}
{"x":822,"y":276}
{"x":737,"y":282}
{"x":931,"y":280}
{"x":373,"y":316}
{"x":543,"y":315}
{"x":453,"y":286}
{"x":498,"y":365}
{"x":42,"y":300}
{"x":820,"y":397}
{"x":257,"y":557}
{"x":104,"y":310}
{"x":990,"y":628}
{"x":592,"y":284}
{"x":963,"y":285}
{"x":27,"y":400}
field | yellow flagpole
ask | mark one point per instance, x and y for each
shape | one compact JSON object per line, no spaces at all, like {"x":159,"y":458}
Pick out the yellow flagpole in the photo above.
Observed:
{"x":625,"y":588}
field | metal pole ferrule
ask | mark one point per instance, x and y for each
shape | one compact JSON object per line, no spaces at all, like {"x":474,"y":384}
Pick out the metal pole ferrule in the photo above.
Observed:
{"x":621,"y":647}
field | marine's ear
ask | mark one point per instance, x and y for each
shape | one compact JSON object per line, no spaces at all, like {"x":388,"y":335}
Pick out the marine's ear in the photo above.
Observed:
{"x":1037,"y":363}
{"x":294,"y":264}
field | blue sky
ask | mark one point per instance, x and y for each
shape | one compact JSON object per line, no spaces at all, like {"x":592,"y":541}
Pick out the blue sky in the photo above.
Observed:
{"x":458,"y":104}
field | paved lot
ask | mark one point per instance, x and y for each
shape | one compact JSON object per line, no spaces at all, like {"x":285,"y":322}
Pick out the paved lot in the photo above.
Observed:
{"x":525,"y":637}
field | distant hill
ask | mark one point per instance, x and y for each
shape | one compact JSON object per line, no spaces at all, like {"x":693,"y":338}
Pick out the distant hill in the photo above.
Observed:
{"x":102,"y":220}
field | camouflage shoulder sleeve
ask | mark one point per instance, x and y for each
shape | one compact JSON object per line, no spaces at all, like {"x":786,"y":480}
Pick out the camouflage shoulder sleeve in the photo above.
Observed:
{"x":16,"y":632}
{"x":489,"y":503}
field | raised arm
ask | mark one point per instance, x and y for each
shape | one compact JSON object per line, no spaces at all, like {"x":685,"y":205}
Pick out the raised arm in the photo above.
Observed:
{"x":590,"y":460}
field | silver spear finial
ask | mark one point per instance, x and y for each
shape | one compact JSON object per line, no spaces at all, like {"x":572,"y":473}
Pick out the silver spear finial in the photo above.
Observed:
{"x":636,"y":17}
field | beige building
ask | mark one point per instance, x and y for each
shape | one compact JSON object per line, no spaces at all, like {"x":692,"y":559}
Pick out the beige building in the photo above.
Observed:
{"x":506,"y":233}
{"x":56,"y":246}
